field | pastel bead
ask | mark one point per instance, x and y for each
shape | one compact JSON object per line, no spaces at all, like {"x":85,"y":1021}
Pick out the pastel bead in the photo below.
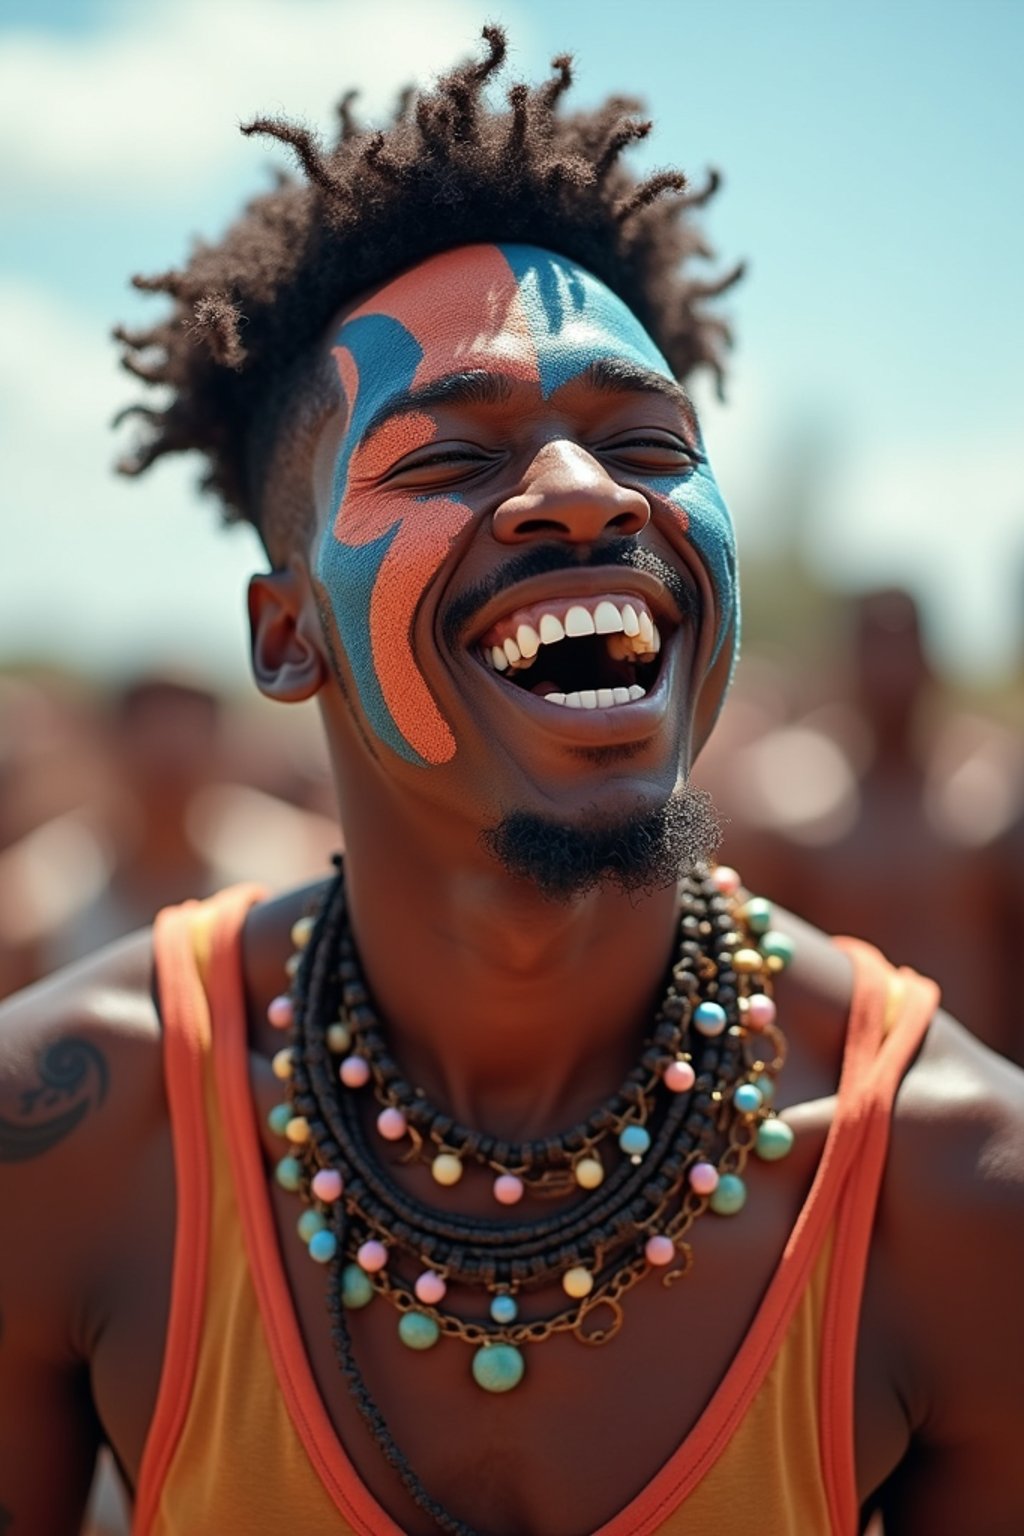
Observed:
{"x":281,"y":1012}
{"x":757,"y":914}
{"x":767,"y":1088}
{"x":446,"y":1169}
{"x":589,"y":1173}
{"x":391,"y":1124}
{"x":281,"y":1064}
{"x":354,"y":1072}
{"x":302,"y":931}
{"x":327,"y":1184}
{"x":778,"y":946}
{"x":703,"y":1178}
{"x":279,"y":1117}
{"x":774,"y":1139}
{"x":504,"y":1309}
{"x":418,"y":1331}
{"x":725,"y":880}
{"x":430,"y":1288}
{"x":309,"y":1223}
{"x":371,"y":1256}
{"x":323,"y":1246}
{"x":747,"y":1099}
{"x":730,"y":1196}
{"x":291,"y":966}
{"x":577,"y":1282}
{"x":508,"y":1189}
{"x":659,"y":1249}
{"x":339,"y":1038}
{"x":498,"y":1367}
{"x":745,"y":962}
{"x":356,"y":1287}
{"x":760,"y":1011}
{"x":288,"y":1173}
{"x":709,"y":1018}
{"x":297,"y":1130}
{"x":635,"y":1140}
{"x":679,"y":1077}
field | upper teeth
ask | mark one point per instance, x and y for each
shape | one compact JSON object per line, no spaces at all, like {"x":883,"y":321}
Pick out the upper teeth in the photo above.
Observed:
{"x":514,"y":642}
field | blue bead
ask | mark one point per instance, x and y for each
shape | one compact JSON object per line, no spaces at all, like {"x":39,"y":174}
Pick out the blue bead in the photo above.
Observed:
{"x":418,"y":1331}
{"x":504,"y":1309}
{"x":774,"y":1140}
{"x":323,"y":1245}
{"x":498,"y":1367}
{"x":709,"y":1018}
{"x":747,"y":1099}
{"x":288,"y":1173}
{"x":279,"y":1117}
{"x":730,"y":1196}
{"x":634,"y":1140}
{"x":356,"y":1287}
{"x":309,"y":1223}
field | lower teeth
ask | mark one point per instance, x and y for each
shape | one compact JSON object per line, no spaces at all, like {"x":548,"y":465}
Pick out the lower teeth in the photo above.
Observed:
{"x":600,"y":698}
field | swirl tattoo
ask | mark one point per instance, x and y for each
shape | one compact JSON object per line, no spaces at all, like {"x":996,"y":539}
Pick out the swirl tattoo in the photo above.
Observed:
{"x":73,"y":1078}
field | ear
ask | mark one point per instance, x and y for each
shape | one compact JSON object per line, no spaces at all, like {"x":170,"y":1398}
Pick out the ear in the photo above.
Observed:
{"x":287,"y":662}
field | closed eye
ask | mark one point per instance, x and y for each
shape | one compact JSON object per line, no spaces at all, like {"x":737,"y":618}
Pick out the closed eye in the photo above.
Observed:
{"x":656,"y":452}
{"x":441,"y":463}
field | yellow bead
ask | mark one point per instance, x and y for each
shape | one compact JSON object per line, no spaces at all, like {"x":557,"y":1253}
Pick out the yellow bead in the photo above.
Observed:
{"x":589,"y":1173}
{"x":446,"y":1168}
{"x":302,"y":928}
{"x":338,"y":1039}
{"x":746,"y":961}
{"x":291,"y":966}
{"x":577,"y":1282}
{"x":281,"y":1065}
{"x":297,"y":1129}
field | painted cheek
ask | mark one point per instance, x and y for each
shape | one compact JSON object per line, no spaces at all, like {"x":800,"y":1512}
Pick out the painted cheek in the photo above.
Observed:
{"x":695,"y":505}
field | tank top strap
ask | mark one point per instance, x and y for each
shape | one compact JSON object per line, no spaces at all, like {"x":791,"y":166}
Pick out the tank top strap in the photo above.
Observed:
{"x":183,"y":955}
{"x":889,"y":1015}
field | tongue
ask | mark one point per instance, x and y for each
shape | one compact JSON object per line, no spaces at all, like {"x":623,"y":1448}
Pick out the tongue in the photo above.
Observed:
{"x":543,"y":689}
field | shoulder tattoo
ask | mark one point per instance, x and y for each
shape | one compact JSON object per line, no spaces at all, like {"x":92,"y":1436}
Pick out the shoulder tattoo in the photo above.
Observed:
{"x":72,"y":1083}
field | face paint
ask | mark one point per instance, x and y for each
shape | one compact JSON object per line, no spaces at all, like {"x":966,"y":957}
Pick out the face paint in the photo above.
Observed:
{"x":515,"y":310}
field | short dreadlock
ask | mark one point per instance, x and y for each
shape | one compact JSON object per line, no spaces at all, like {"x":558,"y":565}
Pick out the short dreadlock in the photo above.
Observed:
{"x":449,"y":170}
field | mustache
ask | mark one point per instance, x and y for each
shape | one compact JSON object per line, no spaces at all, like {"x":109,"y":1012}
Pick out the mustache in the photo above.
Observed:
{"x":542,"y":558}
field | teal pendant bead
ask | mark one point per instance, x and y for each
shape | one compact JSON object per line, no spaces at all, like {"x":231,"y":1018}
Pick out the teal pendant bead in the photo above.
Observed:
{"x":323,"y":1245}
{"x":729,"y":1196}
{"x":504,"y":1309}
{"x":774,"y":1140}
{"x":498,"y":1367}
{"x":288,"y":1173}
{"x":748,"y":1098}
{"x":309,"y":1224}
{"x":356,"y":1287}
{"x":279,"y":1117}
{"x":767,"y":1088}
{"x":418,"y":1331}
{"x":758,"y":914}
{"x":634,"y":1140}
{"x":777,"y":946}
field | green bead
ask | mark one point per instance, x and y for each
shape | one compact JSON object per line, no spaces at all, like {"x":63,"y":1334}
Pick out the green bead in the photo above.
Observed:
{"x":767,"y":1087}
{"x":279,"y":1117}
{"x":288,"y":1173}
{"x":758,"y":914}
{"x":730,"y":1196}
{"x":418,"y":1331}
{"x":778,"y":946}
{"x":309,"y":1223}
{"x":774,"y":1140}
{"x":356,"y":1287}
{"x":498,"y":1367}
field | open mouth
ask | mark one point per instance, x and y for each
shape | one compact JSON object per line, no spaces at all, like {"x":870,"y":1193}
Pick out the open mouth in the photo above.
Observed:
{"x":581,"y":653}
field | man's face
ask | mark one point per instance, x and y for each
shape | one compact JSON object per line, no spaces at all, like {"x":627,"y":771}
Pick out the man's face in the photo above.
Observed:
{"x":522,"y":551}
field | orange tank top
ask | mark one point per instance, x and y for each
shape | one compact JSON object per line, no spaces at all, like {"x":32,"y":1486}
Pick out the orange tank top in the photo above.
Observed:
{"x":240,"y":1439}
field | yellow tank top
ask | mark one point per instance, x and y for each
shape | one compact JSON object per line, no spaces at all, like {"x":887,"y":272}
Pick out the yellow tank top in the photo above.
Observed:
{"x":241,"y":1441}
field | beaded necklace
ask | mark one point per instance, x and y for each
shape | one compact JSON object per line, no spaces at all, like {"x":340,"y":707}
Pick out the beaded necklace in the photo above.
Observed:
{"x":627,"y":1183}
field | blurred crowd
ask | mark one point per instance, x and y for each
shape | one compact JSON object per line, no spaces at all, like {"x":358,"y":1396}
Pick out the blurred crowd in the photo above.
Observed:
{"x":856,"y":787}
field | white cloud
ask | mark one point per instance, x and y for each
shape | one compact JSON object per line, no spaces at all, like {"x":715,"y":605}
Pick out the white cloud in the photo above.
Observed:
{"x":162,"y":92}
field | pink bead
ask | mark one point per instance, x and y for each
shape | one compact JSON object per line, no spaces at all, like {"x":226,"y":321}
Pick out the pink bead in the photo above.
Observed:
{"x":703,"y":1178}
{"x":327,"y":1185}
{"x":679,"y":1076}
{"x":659,"y":1250}
{"x":391,"y":1124}
{"x":725,"y":880}
{"x":430,"y":1288}
{"x":760,"y":1010}
{"x":280,"y":1012}
{"x":354,"y":1071}
{"x":508,"y":1189}
{"x":371,"y":1256}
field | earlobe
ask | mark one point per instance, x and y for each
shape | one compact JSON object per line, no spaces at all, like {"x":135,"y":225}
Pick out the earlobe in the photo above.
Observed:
{"x":287,"y":662}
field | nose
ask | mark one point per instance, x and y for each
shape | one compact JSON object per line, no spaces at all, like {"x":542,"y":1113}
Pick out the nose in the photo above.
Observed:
{"x":567,"y":494}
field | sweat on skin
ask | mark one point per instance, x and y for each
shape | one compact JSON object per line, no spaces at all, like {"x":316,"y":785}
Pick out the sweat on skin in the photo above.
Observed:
{"x":532,"y":316}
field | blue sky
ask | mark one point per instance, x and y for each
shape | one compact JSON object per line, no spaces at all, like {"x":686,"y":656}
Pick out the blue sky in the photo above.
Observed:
{"x":872,"y":156}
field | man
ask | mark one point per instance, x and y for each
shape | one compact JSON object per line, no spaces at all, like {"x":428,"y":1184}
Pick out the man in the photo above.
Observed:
{"x":440,"y":376}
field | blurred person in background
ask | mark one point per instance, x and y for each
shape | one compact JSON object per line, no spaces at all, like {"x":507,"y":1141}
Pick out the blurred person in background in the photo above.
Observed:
{"x":584,"y":1142}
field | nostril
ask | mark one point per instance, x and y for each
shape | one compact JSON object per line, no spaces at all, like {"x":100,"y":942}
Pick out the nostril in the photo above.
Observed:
{"x":532,"y":525}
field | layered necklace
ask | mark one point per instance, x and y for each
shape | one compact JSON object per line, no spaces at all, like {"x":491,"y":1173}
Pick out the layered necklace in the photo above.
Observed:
{"x":624,"y":1186}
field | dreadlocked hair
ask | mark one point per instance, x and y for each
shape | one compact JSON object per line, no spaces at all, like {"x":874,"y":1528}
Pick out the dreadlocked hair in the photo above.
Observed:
{"x":249,"y":313}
